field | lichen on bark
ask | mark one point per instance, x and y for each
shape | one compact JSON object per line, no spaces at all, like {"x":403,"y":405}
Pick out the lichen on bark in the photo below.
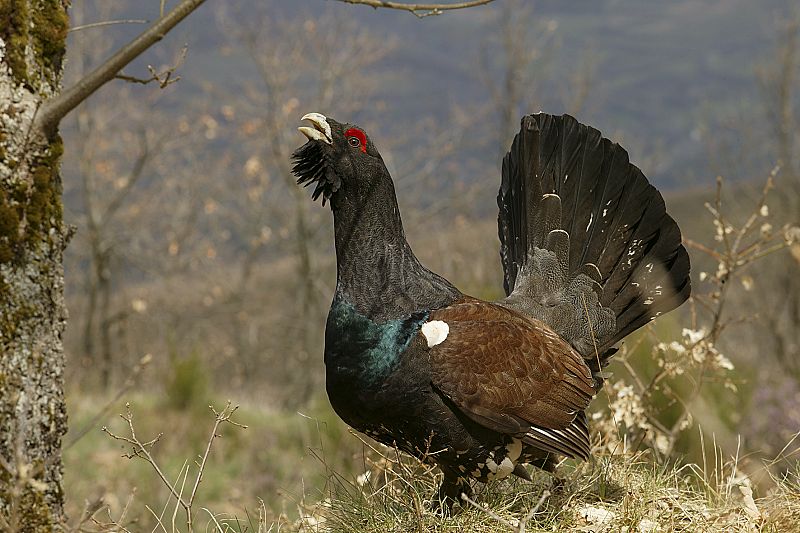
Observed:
{"x":32,"y":411}
{"x":34,"y":33}
{"x":32,"y":240}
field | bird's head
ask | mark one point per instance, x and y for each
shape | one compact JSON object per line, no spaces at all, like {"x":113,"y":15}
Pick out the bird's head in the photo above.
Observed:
{"x":338,"y":158}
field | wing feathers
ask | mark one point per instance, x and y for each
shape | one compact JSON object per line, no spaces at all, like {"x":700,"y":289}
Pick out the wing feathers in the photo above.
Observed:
{"x":572,"y":441}
{"x":513,"y":375}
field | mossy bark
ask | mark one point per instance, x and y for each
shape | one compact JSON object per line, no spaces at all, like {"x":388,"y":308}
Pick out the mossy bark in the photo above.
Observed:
{"x":32,"y":240}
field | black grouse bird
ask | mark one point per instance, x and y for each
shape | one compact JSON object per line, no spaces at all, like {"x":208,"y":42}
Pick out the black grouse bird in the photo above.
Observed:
{"x":482,"y":388}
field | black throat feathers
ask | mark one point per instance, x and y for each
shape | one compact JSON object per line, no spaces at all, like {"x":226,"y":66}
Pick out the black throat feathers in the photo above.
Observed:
{"x":376,"y":270}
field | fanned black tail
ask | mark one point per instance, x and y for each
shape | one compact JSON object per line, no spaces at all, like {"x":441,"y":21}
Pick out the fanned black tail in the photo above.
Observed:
{"x":586,"y":242}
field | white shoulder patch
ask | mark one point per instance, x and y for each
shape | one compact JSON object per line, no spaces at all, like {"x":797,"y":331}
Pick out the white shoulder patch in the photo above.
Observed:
{"x":435,"y":332}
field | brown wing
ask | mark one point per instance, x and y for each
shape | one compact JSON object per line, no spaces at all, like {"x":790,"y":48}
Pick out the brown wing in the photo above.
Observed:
{"x":514,"y":375}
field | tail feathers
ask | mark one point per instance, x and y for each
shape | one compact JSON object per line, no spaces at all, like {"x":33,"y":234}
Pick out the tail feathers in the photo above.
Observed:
{"x":586,"y":243}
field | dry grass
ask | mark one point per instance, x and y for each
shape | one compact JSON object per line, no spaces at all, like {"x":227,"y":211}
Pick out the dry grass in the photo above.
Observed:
{"x":380,"y":490}
{"x":613,"y":493}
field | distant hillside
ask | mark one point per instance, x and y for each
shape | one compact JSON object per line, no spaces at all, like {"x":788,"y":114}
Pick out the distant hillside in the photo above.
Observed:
{"x":662,"y":70}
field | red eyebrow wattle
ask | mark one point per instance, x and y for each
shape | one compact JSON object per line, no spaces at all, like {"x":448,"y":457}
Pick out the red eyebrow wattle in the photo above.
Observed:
{"x":358,"y":134}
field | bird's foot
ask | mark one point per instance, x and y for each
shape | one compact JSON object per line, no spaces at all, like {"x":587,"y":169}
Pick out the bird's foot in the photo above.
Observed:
{"x":558,"y":485}
{"x":451,"y":491}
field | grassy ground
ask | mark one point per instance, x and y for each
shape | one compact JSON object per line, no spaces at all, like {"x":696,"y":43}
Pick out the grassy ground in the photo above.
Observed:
{"x":614,"y":493}
{"x":275,"y":460}
{"x":306,"y":472}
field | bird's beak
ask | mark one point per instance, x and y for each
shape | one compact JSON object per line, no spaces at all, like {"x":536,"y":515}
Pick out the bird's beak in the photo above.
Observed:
{"x":321,"y":130}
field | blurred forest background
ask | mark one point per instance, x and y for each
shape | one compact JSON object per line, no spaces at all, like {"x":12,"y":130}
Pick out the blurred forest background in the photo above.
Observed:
{"x":200,"y":272}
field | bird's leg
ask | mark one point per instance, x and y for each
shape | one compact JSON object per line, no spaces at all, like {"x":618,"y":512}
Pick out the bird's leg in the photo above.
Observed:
{"x":450,"y":491}
{"x":548,"y":464}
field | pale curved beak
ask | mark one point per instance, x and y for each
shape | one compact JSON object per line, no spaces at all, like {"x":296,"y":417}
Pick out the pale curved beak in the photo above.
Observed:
{"x":321,"y":130}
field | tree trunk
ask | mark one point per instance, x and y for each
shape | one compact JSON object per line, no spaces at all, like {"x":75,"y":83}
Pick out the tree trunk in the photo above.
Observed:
{"x":32,"y":239}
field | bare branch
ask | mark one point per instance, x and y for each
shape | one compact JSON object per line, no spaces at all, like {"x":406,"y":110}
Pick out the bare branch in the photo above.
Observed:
{"x":132,"y":380}
{"x":520,"y":526}
{"x":107,"y":23}
{"x":532,"y":512}
{"x":53,"y":110}
{"x":220,"y":417}
{"x":488,"y":511}
{"x":420,"y":10}
{"x":143,"y":450}
{"x":164,"y":78}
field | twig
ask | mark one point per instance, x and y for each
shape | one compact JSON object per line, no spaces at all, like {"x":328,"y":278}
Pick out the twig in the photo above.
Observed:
{"x":524,"y":521}
{"x":53,"y":110}
{"x":107,"y":23}
{"x":169,"y":498}
{"x":129,"y":384}
{"x":220,"y":417}
{"x":419,"y":10}
{"x":485,"y":509}
{"x":520,"y":526}
{"x":703,"y":248}
{"x":163,"y":79}
{"x":732,"y":256}
{"x":142,"y":450}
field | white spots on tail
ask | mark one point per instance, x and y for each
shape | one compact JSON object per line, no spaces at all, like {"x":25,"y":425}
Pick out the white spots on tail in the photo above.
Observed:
{"x":435,"y":332}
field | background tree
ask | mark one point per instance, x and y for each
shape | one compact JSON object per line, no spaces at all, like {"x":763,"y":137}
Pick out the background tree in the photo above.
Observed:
{"x":112,"y":133}
{"x":513,"y":65}
{"x":776,"y":298}
{"x":32,"y":241}
{"x":321,"y":67}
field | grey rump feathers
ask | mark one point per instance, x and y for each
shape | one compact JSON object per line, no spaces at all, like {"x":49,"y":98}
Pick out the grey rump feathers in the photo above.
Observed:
{"x":586,"y":244}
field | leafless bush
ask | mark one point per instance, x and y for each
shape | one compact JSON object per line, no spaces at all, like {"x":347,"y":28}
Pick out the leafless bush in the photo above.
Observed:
{"x":183,"y":489}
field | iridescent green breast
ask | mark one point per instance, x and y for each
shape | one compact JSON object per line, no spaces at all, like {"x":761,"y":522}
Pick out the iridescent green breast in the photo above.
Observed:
{"x":363,"y":349}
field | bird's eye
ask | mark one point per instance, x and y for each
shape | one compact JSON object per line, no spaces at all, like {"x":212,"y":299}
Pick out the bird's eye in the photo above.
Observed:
{"x":356,"y":138}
